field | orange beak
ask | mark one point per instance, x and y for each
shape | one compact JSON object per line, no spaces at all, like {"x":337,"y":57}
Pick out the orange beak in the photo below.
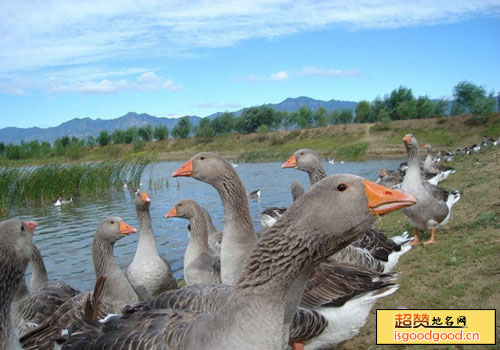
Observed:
{"x":290,"y":163}
{"x":406,"y":139}
{"x":383,"y":200}
{"x":171,"y":213}
{"x":145,"y":197}
{"x":126,"y":229}
{"x":185,"y":170}
{"x":31,"y":226}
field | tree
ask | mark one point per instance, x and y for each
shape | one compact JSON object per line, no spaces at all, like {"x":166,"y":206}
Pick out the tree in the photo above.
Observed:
{"x":224,"y":123}
{"x":205,"y":128}
{"x":440,"y":107}
{"x":334,"y":117}
{"x":104,"y":138}
{"x":405,"y":110}
{"x":182,"y":129}
{"x":397,"y":97}
{"x":12,"y":151}
{"x":346,"y":116}
{"x":364,"y":113}
{"x":320,"y":117}
{"x":45,"y":149}
{"x":425,"y":107}
{"x":472,"y":98}
{"x":65,"y":140}
{"x":160,"y":132}
{"x":58,"y":147}
{"x":253,"y":117}
{"x":130,"y":135}
{"x":118,"y":136}
{"x":2,"y":147}
{"x":145,"y":133}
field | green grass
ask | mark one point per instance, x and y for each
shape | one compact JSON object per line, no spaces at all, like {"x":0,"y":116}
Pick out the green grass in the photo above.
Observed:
{"x":461,"y":270}
{"x":39,"y":184}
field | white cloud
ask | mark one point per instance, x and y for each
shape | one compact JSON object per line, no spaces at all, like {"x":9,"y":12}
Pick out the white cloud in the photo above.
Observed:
{"x":309,"y":71}
{"x":51,"y":34}
{"x":147,"y":81}
{"x":281,"y":75}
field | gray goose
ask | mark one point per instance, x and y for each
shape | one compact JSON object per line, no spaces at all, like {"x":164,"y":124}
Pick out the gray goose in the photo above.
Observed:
{"x":208,"y":165}
{"x":117,"y":292}
{"x":148,"y":273}
{"x":32,"y":307}
{"x":434,"y":204}
{"x":15,"y":252}
{"x":257,"y":314}
{"x":431,"y":168}
{"x":386,"y":250}
{"x":269,"y":216}
{"x":200,"y":266}
{"x":238,"y":233}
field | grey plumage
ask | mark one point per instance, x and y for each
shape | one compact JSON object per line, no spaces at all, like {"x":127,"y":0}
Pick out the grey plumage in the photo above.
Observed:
{"x":117,"y":291}
{"x":15,"y":252}
{"x":32,"y":307}
{"x":200,"y":266}
{"x":148,"y":273}
{"x":255,"y":314}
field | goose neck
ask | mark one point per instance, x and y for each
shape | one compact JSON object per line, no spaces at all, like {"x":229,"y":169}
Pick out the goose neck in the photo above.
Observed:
{"x":39,"y":278}
{"x":117,"y":287}
{"x":11,"y":274}
{"x":199,"y":235}
{"x":413,"y":172}
{"x":316,"y":173}
{"x":237,"y":217}
{"x":147,"y":241}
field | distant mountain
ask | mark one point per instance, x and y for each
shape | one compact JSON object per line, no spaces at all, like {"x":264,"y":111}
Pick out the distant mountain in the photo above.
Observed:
{"x":82,"y":127}
{"x":293,"y":105}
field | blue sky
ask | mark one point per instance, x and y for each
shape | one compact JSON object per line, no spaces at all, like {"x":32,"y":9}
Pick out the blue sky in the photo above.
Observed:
{"x":101,"y":59}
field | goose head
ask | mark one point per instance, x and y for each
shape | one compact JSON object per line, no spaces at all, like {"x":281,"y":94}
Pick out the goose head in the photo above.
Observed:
{"x":16,"y":236}
{"x":304,"y":159}
{"x":346,"y":199}
{"x":112,"y":229}
{"x":185,"y":209}
{"x":142,"y":200}
{"x":205,"y":166}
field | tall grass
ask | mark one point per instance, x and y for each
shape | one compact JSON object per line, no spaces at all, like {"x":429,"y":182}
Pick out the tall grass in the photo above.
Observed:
{"x":39,"y":184}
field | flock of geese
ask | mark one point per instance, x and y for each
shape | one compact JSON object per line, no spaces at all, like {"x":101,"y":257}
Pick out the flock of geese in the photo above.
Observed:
{"x":308,"y":280}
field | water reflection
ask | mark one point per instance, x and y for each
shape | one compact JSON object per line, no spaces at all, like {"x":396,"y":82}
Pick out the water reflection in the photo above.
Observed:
{"x":64,"y":234}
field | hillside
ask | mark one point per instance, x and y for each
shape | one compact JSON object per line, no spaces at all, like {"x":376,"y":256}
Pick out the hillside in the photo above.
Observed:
{"x":342,"y":142}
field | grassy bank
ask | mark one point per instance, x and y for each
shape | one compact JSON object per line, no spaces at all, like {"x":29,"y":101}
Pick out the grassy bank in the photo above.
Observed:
{"x":342,"y":142}
{"x":462,"y":270}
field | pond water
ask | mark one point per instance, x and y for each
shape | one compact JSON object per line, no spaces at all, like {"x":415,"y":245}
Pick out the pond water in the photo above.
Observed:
{"x":64,"y":234}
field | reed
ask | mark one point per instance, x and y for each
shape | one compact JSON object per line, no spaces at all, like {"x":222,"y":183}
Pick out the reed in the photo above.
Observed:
{"x":40,"y":184}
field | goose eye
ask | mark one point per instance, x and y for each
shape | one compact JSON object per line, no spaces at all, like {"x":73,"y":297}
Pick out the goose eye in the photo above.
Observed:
{"x":302,"y":153}
{"x":22,"y":228}
{"x":180,"y":204}
{"x":112,"y":222}
{"x":202,"y":158}
{"x":342,"y":187}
